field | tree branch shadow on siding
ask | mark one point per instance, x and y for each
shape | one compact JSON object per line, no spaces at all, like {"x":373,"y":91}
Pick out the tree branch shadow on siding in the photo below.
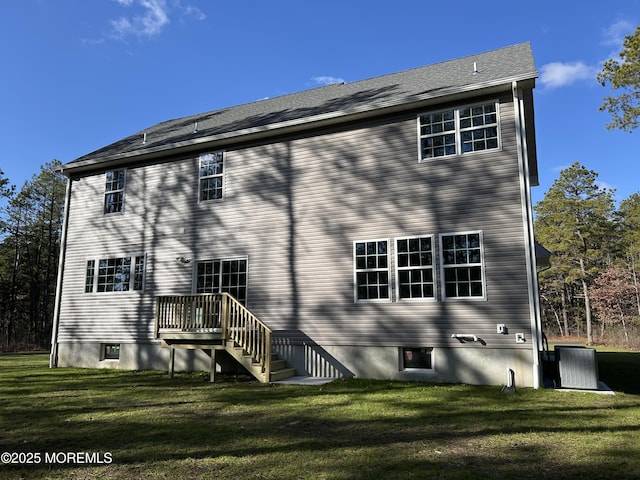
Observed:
{"x":296,"y":205}
{"x":234,"y":119}
{"x":347,"y":186}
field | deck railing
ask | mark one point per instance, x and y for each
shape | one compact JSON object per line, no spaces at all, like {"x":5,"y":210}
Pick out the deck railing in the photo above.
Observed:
{"x":218,"y":312}
{"x":197,"y":312}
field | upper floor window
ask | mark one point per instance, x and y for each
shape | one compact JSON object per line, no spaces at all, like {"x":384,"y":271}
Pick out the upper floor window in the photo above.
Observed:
{"x":372,"y":270}
{"x":211,"y":176}
{"x":414,"y":263}
{"x":119,"y":274}
{"x":462,"y":265}
{"x":459,"y":131}
{"x":114,"y":191}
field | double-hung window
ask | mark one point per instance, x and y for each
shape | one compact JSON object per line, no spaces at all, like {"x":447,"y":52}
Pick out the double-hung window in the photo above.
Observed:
{"x":211,"y":176}
{"x":371,"y":261}
{"x":414,"y":264}
{"x":114,"y":191}
{"x":462,"y":265}
{"x":459,"y":131}
{"x":120,"y":274}
{"x":217,"y":276}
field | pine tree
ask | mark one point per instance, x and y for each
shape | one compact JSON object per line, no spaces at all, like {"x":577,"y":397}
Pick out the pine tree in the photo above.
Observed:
{"x":629,"y":224}
{"x":574,"y":220}
{"x":623,"y":75}
{"x":28,"y":259}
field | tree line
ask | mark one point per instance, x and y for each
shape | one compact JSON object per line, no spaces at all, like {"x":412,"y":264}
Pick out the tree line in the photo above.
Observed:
{"x":591,"y":290}
{"x":30,"y":234}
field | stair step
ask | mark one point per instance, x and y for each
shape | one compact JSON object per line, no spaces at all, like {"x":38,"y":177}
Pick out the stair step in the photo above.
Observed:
{"x":282,"y":374}
{"x":278,"y":365}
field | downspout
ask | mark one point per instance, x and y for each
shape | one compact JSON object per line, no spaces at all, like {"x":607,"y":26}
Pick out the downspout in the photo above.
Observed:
{"x":53,"y":357}
{"x":527,"y":210}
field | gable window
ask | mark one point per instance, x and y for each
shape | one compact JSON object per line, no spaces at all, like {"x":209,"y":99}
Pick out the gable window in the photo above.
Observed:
{"x":462,"y":265}
{"x":459,"y":131}
{"x":119,"y":274}
{"x":414,"y":263}
{"x":218,"y":276}
{"x":211,"y":176}
{"x":114,"y":191}
{"x":371,"y":270}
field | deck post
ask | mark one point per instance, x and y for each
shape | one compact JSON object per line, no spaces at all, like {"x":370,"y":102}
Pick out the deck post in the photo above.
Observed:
{"x":212,"y":377}
{"x":172,"y":357}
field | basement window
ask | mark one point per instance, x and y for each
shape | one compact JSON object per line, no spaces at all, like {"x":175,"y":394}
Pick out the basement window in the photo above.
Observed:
{"x":111,"y":351}
{"x":418,"y":358}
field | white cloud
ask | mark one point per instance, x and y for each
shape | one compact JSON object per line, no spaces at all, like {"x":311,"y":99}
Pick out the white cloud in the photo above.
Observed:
{"x":194,"y":12}
{"x":559,"y":74}
{"x":148,"y":24}
{"x":326,"y":80}
{"x":614,"y":34}
{"x":150,"y":17}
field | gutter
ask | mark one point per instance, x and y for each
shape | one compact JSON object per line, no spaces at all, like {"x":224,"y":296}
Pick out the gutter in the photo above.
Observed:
{"x":527,"y":209}
{"x":53,"y":356}
{"x":295,"y":125}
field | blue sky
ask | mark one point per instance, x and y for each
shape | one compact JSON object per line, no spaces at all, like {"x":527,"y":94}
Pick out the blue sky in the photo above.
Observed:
{"x":76,"y":75}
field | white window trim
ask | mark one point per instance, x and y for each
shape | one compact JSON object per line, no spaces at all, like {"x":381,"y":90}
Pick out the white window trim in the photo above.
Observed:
{"x":123,"y":190}
{"x":458,"y":130}
{"x":221,"y":175}
{"x":443,"y":267}
{"x":94,"y":288}
{"x":434,"y":269}
{"x":389,"y":298}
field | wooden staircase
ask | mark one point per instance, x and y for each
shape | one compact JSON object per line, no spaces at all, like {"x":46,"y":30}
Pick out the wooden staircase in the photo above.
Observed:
{"x":278,"y":369}
{"x":219,"y":322}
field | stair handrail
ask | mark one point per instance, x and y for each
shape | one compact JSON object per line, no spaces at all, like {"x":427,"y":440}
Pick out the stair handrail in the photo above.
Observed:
{"x":241,"y":326}
{"x":238,"y":325}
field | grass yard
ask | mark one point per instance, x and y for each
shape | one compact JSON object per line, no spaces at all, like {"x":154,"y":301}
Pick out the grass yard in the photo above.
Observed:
{"x":142,"y":425}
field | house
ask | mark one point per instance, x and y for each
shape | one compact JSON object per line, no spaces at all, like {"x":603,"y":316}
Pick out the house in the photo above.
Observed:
{"x":377,"y":229}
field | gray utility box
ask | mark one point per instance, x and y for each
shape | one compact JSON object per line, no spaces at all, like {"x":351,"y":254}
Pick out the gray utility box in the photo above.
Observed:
{"x":577,"y":367}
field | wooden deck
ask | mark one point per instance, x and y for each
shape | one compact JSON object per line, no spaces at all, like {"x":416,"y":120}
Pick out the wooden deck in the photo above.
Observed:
{"x":218,"y":322}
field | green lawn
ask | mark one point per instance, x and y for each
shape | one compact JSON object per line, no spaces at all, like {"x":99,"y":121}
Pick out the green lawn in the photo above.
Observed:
{"x":145,"y":426}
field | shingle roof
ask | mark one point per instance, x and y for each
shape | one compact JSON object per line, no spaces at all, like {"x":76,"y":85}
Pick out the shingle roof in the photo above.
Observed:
{"x":493,"y":68}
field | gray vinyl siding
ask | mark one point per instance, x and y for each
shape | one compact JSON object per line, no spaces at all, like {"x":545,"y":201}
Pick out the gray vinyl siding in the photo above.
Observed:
{"x":294,"y":209}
